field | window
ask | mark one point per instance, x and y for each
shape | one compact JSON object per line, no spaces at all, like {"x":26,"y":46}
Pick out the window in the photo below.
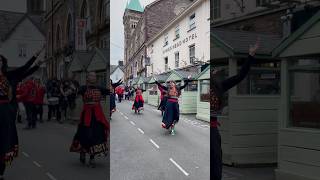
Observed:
{"x":192,"y":52}
{"x":192,"y":86}
{"x":177,"y":32}
{"x":166,"y":42}
{"x":192,"y":21}
{"x":304,"y":104}
{"x":176,"y":55}
{"x":216,"y":9}
{"x":166,"y":64}
{"x":205,"y":90}
{"x":22,"y":50}
{"x":263,"y":79}
{"x":153,"y":89}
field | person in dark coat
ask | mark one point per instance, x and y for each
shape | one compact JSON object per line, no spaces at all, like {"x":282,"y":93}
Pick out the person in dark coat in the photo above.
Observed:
{"x":113,"y":86}
{"x":218,"y":88}
{"x":8,"y":108}
{"x":172,"y":112}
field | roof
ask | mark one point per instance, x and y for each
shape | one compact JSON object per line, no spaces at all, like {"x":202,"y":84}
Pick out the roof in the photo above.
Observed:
{"x":134,"y":5}
{"x":202,"y":72}
{"x":81,"y":60}
{"x":113,"y":68}
{"x":296,"y":35}
{"x":9,"y":21}
{"x":99,"y":60}
{"x":235,"y":42}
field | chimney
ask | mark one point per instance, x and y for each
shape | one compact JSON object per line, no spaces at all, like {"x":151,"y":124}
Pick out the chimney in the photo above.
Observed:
{"x":120,"y":63}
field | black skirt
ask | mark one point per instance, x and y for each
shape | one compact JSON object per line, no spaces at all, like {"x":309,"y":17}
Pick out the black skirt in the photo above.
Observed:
{"x":171,"y":114}
{"x":162,"y":105}
{"x":137,"y":105}
{"x":112,"y":101}
{"x":91,"y":140}
{"x":8,"y":134}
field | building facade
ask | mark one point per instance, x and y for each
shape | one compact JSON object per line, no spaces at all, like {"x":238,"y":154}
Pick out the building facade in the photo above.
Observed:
{"x":62,"y":20}
{"x":184,"y":41}
{"x":142,"y":24}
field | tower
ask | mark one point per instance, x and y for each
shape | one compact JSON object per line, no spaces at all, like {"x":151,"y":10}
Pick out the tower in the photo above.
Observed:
{"x":36,"y":6}
{"x":131,"y":17}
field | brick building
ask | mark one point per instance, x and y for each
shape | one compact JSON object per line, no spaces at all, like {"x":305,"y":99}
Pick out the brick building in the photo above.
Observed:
{"x":60,"y":19}
{"x":142,"y":24}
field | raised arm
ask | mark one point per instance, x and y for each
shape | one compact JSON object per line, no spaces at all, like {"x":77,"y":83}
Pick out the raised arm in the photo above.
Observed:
{"x":160,"y":85}
{"x":114,"y":85}
{"x":186,"y":82}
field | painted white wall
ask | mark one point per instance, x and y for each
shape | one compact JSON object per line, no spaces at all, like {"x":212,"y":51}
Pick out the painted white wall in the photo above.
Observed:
{"x":117,"y":75}
{"x":28,"y":34}
{"x":200,"y":36}
{"x":14,"y":5}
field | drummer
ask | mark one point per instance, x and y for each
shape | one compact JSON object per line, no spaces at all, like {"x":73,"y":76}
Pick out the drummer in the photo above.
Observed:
{"x":53,"y":94}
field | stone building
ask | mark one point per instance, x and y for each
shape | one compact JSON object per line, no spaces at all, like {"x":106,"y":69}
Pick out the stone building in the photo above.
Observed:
{"x":142,"y":24}
{"x":61,"y":17}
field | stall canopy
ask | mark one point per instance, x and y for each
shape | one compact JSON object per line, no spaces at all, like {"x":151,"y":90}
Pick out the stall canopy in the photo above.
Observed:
{"x":205,"y":74}
{"x":81,"y":61}
{"x":303,"y":42}
{"x":99,"y":61}
{"x":160,"y":77}
{"x":235,"y":43}
{"x":181,"y":74}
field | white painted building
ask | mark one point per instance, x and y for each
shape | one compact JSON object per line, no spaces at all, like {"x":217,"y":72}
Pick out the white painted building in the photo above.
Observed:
{"x":21,"y":37}
{"x":116,"y":73}
{"x":183,"y":41}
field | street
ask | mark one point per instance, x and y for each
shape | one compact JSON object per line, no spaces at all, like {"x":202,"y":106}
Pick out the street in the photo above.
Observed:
{"x":143,"y":150}
{"x":44,"y":155}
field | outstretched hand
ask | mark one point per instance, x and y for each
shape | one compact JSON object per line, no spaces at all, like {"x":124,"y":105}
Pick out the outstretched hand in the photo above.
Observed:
{"x":189,"y":77}
{"x":253,"y":49}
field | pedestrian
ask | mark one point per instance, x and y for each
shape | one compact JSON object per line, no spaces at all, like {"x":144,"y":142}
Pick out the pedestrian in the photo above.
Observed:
{"x":113,"y":86}
{"x":217,"y":91}
{"x":120,"y":92}
{"x":138,"y":101}
{"x":53,"y":95}
{"x":40,"y":92}
{"x":8,"y":108}
{"x":172,"y":112}
{"x":66,"y":92}
{"x":29,"y":95}
{"x":93,"y":130}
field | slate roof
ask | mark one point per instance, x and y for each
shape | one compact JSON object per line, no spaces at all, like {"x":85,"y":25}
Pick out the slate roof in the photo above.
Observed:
{"x":238,"y":42}
{"x":81,"y":60}
{"x":113,"y":68}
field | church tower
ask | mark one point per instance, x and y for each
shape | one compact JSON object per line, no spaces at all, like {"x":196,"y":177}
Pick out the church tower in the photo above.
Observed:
{"x":131,"y":17}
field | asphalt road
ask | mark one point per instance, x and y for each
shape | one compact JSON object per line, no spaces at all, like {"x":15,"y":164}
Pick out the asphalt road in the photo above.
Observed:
{"x":44,"y":155}
{"x":142,"y":150}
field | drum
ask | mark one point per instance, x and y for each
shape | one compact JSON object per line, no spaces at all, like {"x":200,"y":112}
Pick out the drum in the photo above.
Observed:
{"x":53,"y":101}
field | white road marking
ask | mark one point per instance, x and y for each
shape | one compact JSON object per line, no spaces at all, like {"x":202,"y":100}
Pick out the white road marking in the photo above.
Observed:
{"x":141,"y":131}
{"x":37,"y":164}
{"x":51,"y":176}
{"x":132,"y":123}
{"x":121,"y":113}
{"x":179,"y":167}
{"x":155,"y":144}
{"x":25,"y":154}
{"x":126,"y":117}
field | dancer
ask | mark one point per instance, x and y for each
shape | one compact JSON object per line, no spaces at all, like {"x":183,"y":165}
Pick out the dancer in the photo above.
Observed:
{"x":93,"y":130}
{"x":163,"y":100}
{"x":138,"y":101}
{"x":217,"y":91}
{"x":172,"y":112}
{"x":8,"y":108}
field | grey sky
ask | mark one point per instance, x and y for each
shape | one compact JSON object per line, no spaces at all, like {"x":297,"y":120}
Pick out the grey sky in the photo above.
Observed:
{"x":116,"y":28}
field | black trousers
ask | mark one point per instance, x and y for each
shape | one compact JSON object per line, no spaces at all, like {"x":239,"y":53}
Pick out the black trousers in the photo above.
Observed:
{"x":54,"y":110}
{"x":216,"y":154}
{"x":31,"y":114}
{"x":39,"y":111}
{"x":2,"y":168}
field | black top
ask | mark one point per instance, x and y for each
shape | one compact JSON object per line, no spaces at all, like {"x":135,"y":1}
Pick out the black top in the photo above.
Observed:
{"x":179,"y":88}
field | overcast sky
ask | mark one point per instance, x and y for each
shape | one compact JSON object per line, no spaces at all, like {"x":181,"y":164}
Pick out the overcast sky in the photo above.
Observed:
{"x":116,"y":29}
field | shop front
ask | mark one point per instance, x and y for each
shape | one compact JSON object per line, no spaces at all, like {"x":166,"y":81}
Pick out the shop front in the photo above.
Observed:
{"x":249,"y":119}
{"x":203,"y":95}
{"x":299,"y":127}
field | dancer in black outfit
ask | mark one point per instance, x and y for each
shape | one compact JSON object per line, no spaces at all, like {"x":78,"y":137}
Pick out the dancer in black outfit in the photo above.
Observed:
{"x":113,"y":95}
{"x":217,"y":91}
{"x":172,"y":112}
{"x":8,"y":108}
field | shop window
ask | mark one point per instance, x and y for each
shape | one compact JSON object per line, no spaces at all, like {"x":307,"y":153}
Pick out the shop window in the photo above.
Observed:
{"x":263,"y":79}
{"x":192,"y":86}
{"x":153,"y":89}
{"x":304,"y":104}
{"x":205,"y":90}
